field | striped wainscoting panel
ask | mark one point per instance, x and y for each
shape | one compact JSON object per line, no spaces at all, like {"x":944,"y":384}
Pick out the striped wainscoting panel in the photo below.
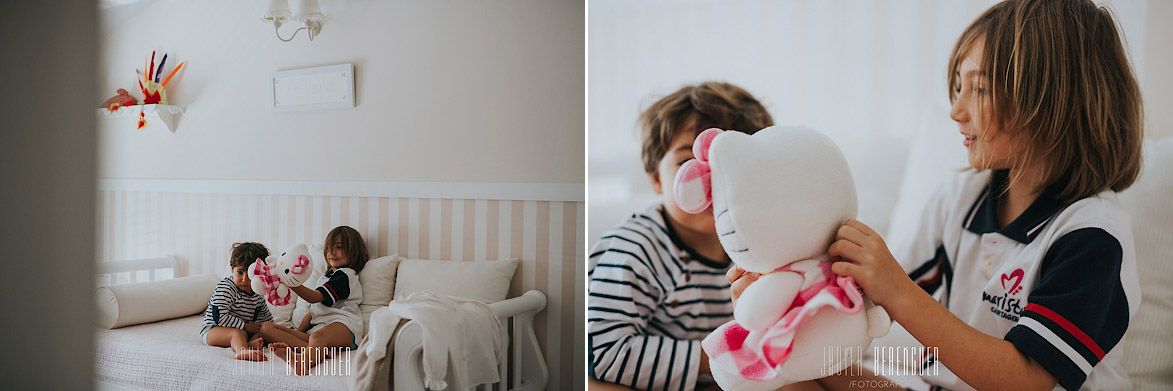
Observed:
{"x":199,"y":229}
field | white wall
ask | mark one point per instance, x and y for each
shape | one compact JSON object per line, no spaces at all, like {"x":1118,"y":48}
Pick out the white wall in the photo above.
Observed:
{"x":869,"y":74}
{"x":1157,"y":83}
{"x":447,"y":91}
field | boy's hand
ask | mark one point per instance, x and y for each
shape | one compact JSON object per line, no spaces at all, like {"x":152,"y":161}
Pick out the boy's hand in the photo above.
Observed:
{"x":252,"y":328}
{"x":740,"y":279}
{"x":862,"y":254}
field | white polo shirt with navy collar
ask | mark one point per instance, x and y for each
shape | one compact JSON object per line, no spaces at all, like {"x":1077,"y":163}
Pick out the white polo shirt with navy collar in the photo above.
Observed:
{"x":1059,"y":282}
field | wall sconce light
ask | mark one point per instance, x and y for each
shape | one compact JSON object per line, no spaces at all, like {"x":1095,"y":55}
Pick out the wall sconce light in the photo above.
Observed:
{"x":305,"y":11}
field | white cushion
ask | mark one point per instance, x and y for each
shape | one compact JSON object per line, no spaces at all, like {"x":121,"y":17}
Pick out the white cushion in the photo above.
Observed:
{"x":299,"y":311}
{"x":318,"y":269}
{"x":366,"y":310}
{"x":484,"y":281}
{"x":318,"y":263}
{"x":283,"y":315}
{"x":143,"y":302}
{"x":378,"y":280}
{"x":1149,"y":202}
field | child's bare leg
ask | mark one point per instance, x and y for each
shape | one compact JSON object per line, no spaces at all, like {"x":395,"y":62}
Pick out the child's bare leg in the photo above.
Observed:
{"x":227,"y":337}
{"x":275,"y":333}
{"x":281,"y":338}
{"x":234,"y":338}
{"x":333,"y":335}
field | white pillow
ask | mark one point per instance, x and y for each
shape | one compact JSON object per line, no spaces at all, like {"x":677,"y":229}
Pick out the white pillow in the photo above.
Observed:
{"x":378,"y":280}
{"x":1149,"y":202}
{"x":484,"y":281}
{"x":366,"y":310}
{"x":318,"y":269}
{"x":142,"y":302}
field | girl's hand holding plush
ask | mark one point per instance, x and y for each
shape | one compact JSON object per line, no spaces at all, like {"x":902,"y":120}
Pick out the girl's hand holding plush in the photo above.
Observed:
{"x":861,"y":253}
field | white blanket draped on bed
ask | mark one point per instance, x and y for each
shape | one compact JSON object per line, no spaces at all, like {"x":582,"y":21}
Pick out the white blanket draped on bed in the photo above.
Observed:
{"x":462,"y":340}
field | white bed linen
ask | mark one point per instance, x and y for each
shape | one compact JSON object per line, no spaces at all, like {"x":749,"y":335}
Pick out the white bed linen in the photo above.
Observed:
{"x":170,"y":355}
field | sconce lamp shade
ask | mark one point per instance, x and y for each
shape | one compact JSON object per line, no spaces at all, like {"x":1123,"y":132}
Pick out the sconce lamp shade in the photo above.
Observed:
{"x":306,"y":10}
{"x":277,"y":12}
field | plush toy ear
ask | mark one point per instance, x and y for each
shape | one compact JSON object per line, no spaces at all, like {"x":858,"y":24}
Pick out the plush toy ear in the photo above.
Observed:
{"x":700,"y":147}
{"x":256,"y":268}
{"x":256,"y":272}
{"x":692,"y":188}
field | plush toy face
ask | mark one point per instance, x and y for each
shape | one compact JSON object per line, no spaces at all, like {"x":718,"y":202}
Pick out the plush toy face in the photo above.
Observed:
{"x":778,"y":196}
{"x":293,"y":265}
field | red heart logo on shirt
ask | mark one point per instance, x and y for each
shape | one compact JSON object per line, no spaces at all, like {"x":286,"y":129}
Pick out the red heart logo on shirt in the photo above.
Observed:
{"x":1015,"y":275}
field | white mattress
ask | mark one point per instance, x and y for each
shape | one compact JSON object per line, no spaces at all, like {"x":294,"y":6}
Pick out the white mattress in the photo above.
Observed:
{"x":170,"y":355}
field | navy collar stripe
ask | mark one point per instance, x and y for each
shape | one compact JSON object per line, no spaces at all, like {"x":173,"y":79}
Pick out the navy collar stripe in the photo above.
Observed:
{"x":983,"y":216}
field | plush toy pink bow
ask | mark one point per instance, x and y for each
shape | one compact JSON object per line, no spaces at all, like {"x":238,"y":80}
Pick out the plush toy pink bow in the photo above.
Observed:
{"x":693,"y":189}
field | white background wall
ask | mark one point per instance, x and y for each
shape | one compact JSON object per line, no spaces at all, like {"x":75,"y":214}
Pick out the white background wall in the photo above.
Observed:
{"x":447,"y":91}
{"x":869,"y":74}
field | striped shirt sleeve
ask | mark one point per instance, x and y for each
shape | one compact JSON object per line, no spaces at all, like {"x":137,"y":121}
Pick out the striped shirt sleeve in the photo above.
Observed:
{"x":223,"y":299}
{"x":263,"y":313}
{"x":1078,"y":311}
{"x":623,"y":293}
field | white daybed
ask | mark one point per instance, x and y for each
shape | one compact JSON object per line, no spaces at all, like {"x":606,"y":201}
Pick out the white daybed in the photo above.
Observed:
{"x":169,"y":355}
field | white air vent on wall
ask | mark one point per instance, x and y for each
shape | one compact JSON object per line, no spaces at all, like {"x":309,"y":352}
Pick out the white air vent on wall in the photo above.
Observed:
{"x":327,"y":87}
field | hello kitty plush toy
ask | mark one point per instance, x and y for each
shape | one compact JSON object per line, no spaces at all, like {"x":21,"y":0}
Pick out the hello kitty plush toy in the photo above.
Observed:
{"x":275,"y":275}
{"x":778,"y":198}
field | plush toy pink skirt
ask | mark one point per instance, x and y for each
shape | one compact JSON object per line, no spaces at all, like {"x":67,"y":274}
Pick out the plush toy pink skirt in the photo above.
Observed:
{"x":757,"y":354}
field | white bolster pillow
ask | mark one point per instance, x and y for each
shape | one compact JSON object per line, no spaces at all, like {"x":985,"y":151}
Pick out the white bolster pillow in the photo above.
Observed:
{"x":142,"y":302}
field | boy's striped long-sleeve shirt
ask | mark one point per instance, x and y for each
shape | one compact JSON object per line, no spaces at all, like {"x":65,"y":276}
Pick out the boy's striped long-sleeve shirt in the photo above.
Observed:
{"x":232,"y":307}
{"x":651,"y":300}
